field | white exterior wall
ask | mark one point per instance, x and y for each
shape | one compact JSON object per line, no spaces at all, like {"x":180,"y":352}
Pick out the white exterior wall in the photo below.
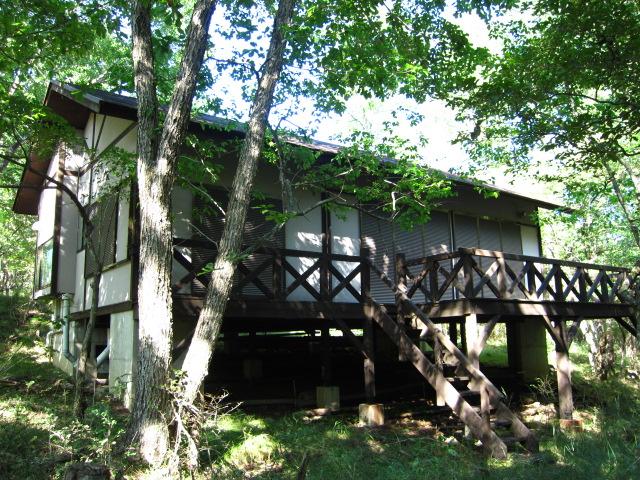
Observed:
{"x":113,"y":127}
{"x":304,"y":233}
{"x":78,"y":294}
{"x":530,"y":243}
{"x":68,"y":246}
{"x":115,"y":286}
{"x":47,"y":207}
{"x":122,"y":228}
{"x":123,"y":338}
{"x":345,"y":240}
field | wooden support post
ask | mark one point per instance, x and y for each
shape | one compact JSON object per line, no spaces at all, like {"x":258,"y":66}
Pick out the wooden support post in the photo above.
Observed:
{"x":582,"y":285}
{"x":463,"y":337}
{"x":513,"y":346}
{"x":485,"y":407}
{"x":453,"y":332}
{"x":326,"y":356}
{"x":558,"y":290}
{"x":277,"y":279}
{"x":531,"y":279}
{"x":368,"y":330}
{"x":438,"y":357}
{"x":502,"y":278}
{"x":558,"y":331}
{"x":478,"y":345}
{"x":471,"y":329}
{"x":467,"y":269}
{"x":401,"y":282}
{"x":369,"y":361}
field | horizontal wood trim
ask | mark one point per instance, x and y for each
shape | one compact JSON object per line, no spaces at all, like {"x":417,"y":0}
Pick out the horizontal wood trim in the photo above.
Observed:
{"x":512,"y":256}
{"x":524,"y":308}
{"x":105,"y":310}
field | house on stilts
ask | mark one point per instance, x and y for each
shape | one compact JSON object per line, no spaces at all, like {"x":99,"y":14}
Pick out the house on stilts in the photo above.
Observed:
{"x":336,"y":307}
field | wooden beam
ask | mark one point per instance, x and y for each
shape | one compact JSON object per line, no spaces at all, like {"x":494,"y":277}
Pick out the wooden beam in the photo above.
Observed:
{"x":479,"y":378}
{"x":369,"y":368}
{"x":401,"y":279}
{"x":481,"y":339}
{"x":628,"y":327}
{"x":471,"y":328}
{"x":555,"y":331}
{"x":436,"y":379}
{"x":573,"y":331}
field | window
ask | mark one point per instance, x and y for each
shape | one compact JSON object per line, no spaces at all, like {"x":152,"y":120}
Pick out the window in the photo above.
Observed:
{"x":104,"y":216}
{"x":44,"y":265}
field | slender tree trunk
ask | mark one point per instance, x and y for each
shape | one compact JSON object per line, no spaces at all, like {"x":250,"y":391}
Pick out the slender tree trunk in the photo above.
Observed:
{"x":156,"y":169}
{"x":629,"y":217}
{"x":196,"y":363}
{"x":601,"y":349}
{"x":79,"y":402}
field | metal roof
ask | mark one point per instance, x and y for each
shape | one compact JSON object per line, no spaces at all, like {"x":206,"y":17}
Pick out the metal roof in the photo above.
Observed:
{"x":100,"y":101}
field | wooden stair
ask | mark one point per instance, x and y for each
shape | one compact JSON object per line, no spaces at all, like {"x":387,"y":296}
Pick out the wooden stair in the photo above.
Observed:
{"x":477,"y":420}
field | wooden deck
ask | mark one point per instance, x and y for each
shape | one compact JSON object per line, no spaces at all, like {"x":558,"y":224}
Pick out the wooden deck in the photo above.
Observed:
{"x":447,"y":286}
{"x":466,"y":286}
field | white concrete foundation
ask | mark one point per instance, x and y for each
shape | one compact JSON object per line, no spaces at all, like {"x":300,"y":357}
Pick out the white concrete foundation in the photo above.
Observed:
{"x":122,"y":357}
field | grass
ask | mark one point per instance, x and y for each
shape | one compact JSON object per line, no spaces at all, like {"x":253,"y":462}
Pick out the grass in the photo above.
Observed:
{"x":38,"y":435}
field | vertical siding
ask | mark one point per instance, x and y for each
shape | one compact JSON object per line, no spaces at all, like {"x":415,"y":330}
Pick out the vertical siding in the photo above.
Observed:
{"x":465,"y":231}
{"x":512,"y":243}
{"x":437,"y":234}
{"x":489,"y":239}
{"x":208,"y":224}
{"x":377,"y":235}
{"x":256,"y":231}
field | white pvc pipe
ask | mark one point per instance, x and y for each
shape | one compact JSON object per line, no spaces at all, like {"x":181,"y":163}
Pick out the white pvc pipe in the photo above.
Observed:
{"x":104,"y":355}
{"x":66,"y":314}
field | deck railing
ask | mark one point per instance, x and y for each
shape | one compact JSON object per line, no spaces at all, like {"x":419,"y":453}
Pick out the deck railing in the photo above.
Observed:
{"x":263,"y":271}
{"x":474,"y":273}
{"x":465,"y":273}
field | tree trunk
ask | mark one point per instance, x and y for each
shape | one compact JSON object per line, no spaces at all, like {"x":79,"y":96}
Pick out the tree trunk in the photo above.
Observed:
{"x":156,"y":168}
{"x":196,"y":363}
{"x":79,"y":401}
{"x":601,"y":349}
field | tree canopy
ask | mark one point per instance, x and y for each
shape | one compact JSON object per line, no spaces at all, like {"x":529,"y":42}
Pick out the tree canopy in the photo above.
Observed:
{"x":565,"y":83}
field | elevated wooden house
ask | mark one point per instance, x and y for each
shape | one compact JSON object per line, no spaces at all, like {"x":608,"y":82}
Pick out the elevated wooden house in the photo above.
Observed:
{"x":346,"y":303}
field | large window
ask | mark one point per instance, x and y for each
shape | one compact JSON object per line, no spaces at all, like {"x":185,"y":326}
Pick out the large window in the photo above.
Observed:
{"x":104,"y":216}
{"x":44,"y":265}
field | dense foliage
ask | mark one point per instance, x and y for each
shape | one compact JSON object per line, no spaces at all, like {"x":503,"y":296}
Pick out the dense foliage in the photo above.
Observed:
{"x":566,"y":83}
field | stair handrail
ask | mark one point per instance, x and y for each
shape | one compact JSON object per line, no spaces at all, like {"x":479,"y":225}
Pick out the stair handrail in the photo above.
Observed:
{"x":442,"y":338}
